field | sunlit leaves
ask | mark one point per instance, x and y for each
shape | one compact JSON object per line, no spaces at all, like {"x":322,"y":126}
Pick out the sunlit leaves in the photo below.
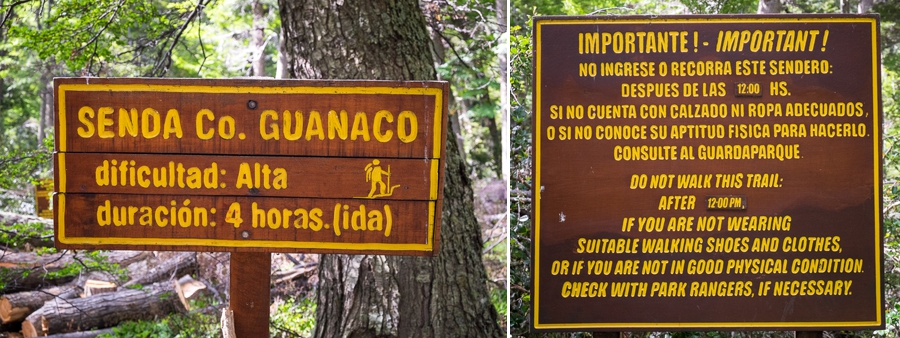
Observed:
{"x":105,"y":37}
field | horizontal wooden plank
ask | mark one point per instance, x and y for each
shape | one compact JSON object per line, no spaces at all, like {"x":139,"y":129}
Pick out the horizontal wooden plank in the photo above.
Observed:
{"x":251,"y":117}
{"x":252,"y":176}
{"x":216,"y":223}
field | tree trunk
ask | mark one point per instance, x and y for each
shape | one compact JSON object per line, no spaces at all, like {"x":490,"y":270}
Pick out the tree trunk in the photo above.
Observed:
{"x":281,"y":64}
{"x":769,"y":7}
{"x":504,"y":88}
{"x":259,"y":42}
{"x":844,"y":6}
{"x":496,"y":143}
{"x":864,"y":6}
{"x":375,"y":296}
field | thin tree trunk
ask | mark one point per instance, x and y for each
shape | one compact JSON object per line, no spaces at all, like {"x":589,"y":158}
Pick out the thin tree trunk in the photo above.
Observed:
{"x":864,"y":6}
{"x":502,"y":58}
{"x":281,"y":64}
{"x":46,"y":104}
{"x":769,"y":7}
{"x":258,"y":35}
{"x":845,"y":6}
{"x":375,"y":296}
{"x":496,"y":143}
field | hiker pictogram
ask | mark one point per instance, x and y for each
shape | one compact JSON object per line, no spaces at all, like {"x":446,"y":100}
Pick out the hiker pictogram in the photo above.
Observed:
{"x":376,"y":174}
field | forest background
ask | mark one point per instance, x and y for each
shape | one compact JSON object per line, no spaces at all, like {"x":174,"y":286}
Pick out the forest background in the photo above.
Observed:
{"x":521,"y":13}
{"x":43,"y":39}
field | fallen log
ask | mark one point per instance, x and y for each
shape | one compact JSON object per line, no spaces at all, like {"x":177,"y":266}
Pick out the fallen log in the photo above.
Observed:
{"x":26,"y":271}
{"x":294,"y":273}
{"x":8,"y":219}
{"x":15,"y":307}
{"x":183,"y":263}
{"x":101,"y":311}
{"x":70,"y":291}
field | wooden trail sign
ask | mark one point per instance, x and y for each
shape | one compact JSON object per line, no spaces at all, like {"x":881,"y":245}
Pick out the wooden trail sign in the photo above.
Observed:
{"x":249,"y":165}
{"x":43,"y":191}
{"x":707,"y":172}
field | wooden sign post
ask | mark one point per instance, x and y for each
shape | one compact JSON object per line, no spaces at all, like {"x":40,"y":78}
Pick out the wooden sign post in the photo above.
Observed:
{"x":707,"y":173}
{"x":251,"y":167}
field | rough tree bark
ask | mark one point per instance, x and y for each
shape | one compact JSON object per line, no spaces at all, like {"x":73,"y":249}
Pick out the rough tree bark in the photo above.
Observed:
{"x":374,"y":296}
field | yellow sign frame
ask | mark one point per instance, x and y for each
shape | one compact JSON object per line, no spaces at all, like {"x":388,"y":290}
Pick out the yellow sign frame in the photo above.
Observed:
{"x":536,"y":229}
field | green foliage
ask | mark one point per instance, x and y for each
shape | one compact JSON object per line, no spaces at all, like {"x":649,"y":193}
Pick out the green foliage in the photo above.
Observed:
{"x":811,"y":6}
{"x":15,"y":235}
{"x":218,"y":43}
{"x":520,"y":180}
{"x":293,"y":317}
{"x":142,"y":329}
{"x":85,"y":261}
{"x":472,"y":40}
{"x":521,"y":11}
{"x":89,"y":261}
{"x":106,"y":37}
{"x":6,"y":276}
{"x":45,"y":251}
{"x":498,"y":299}
{"x":890,"y":39}
{"x":20,"y":165}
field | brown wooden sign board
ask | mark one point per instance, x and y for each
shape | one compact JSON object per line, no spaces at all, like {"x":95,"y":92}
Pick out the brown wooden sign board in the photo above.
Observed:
{"x":705,"y":173}
{"x":249,"y":165}
{"x":43,"y":191}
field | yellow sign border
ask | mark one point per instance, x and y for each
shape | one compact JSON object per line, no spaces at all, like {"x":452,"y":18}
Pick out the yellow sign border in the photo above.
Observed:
{"x":437,"y":132}
{"x":538,"y":23}
{"x":155,"y":241}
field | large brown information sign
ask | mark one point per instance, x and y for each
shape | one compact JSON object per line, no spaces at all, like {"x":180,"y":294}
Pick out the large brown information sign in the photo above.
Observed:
{"x":707,"y":173}
{"x":249,"y":165}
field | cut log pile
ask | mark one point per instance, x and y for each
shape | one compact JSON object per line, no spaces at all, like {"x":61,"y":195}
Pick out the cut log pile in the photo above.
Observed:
{"x":37,"y":301}
{"x":42,"y":305}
